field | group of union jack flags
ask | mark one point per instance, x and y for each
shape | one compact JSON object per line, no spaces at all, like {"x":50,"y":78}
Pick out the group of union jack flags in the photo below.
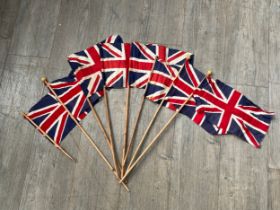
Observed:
{"x":168,"y":76}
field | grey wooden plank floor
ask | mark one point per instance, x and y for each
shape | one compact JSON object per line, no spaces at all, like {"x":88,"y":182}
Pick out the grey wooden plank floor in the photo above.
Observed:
{"x":188,"y":168}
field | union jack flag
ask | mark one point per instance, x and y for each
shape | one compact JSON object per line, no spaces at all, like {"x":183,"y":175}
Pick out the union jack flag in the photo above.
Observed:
{"x":88,"y":71}
{"x":88,"y":57}
{"x":115,"y":63}
{"x":169,"y":55}
{"x":83,"y":60}
{"x":87,"y":67}
{"x":143,"y":57}
{"x":182,"y":88}
{"x":161,"y":79}
{"x":231,"y":112}
{"x":52,"y":118}
{"x":71,"y":94}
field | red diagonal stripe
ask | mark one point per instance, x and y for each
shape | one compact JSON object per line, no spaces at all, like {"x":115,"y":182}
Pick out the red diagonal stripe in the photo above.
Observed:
{"x":52,"y":118}
{"x":249,"y":134}
{"x":87,"y":71}
{"x":175,"y":56}
{"x":156,"y":98}
{"x":191,"y":74}
{"x":143,"y":51}
{"x":161,"y":79}
{"x":41,"y":112}
{"x":105,"y":46}
{"x":172,"y":71}
{"x":239,"y":113}
{"x":183,"y":86}
{"x":112,"y":81}
{"x":142,"y":83}
{"x":214,"y":87}
{"x":78,"y":107}
{"x":70,"y":94}
{"x":95,"y":84}
{"x":60,"y":128}
{"x":94,"y":54}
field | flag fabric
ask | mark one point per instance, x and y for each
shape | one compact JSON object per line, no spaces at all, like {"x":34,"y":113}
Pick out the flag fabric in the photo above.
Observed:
{"x":96,"y":97}
{"x":71,"y":94}
{"x":231,"y":112}
{"x":115,"y":38}
{"x":52,"y":118}
{"x":86,"y":58}
{"x":183,"y":87}
{"x":115,"y":63}
{"x":170,"y":55}
{"x":161,"y":79}
{"x":143,"y":57}
{"x":87,"y":68}
{"x":168,"y":75}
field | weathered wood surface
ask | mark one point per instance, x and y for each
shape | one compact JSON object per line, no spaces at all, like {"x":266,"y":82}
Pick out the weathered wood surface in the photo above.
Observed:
{"x":188,"y":169}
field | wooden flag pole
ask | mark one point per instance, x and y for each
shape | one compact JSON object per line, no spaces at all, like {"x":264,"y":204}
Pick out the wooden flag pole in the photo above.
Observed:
{"x":108,"y":116}
{"x":160,"y":132}
{"x":150,"y":125}
{"x":137,"y":118}
{"x":124,"y":149}
{"x":112,"y":149}
{"x":109,"y":124}
{"x":127,"y":108}
{"x":25,"y":116}
{"x":134,"y":129}
{"x":45,"y":81}
{"x":145,"y":134}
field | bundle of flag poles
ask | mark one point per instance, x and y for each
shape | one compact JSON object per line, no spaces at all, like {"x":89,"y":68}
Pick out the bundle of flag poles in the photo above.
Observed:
{"x":167,"y":77}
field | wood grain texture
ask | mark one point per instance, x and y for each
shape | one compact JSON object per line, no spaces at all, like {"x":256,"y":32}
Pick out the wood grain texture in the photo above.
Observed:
{"x":244,"y":184}
{"x":34,"y":28}
{"x":187,"y":168}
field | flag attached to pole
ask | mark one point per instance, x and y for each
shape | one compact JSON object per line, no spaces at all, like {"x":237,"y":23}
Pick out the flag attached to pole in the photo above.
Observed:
{"x":142,"y":59}
{"x":170,"y":55}
{"x":231,"y":112}
{"x":144,"y":55}
{"x":51,"y":117}
{"x":115,"y":63}
{"x":182,"y":88}
{"x":71,"y":94}
{"x":161,"y":79}
{"x":87,"y":67}
{"x":88,"y":57}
